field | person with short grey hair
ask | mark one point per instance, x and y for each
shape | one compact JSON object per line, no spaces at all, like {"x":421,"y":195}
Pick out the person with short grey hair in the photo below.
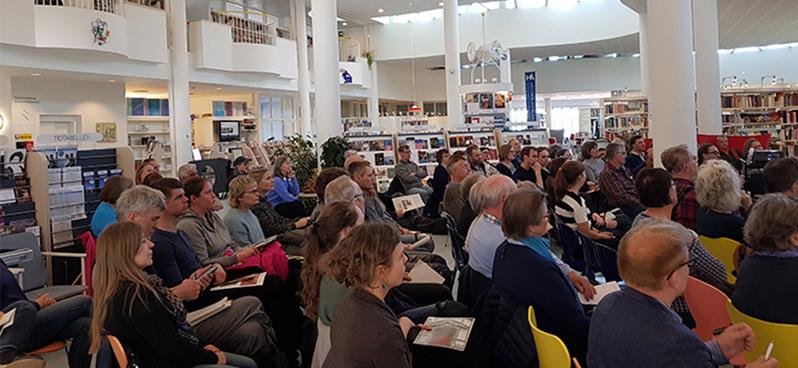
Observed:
{"x":187,"y":172}
{"x":469,"y":210}
{"x":718,"y":191}
{"x":768,"y":279}
{"x":142,"y":205}
{"x":344,"y":189}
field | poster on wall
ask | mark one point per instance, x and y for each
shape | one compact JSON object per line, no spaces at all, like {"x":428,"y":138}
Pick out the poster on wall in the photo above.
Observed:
{"x":108,"y":130}
{"x":529,"y":84}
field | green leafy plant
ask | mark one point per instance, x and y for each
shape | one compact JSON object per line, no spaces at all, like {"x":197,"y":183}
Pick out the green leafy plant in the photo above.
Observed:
{"x":303,"y":153}
{"x":369,"y":55}
{"x":332,"y":152}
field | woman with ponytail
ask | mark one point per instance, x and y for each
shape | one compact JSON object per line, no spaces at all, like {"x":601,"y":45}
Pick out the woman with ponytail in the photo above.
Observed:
{"x":319,"y":293}
{"x":143,"y":314}
{"x":572,"y":210}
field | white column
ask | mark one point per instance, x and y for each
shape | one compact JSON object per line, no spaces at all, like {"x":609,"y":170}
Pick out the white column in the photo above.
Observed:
{"x":6,"y":132}
{"x":451,"y":34}
{"x":707,"y":79}
{"x":644,"y":76}
{"x":374,"y":97}
{"x":547,"y":108}
{"x":180,"y":112}
{"x":301,"y":33}
{"x":671,"y":100}
{"x":325,"y":70}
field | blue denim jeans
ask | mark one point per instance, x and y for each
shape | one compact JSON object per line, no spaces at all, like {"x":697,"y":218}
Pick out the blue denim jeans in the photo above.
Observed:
{"x":233,"y":360}
{"x":67,"y":319}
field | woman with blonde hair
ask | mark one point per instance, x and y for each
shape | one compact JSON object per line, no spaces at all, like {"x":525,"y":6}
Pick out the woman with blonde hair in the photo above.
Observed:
{"x":143,"y":314}
{"x":718,"y":191}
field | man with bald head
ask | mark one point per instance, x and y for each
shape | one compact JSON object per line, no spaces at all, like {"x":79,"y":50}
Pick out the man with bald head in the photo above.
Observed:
{"x":635,"y":327}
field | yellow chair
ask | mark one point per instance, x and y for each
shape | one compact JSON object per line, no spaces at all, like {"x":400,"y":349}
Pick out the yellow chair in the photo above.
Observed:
{"x":784,"y":338}
{"x":552,"y":352}
{"x":723,"y":250}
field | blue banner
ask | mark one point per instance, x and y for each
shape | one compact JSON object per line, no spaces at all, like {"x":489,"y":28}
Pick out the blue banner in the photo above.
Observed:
{"x":529,"y":84}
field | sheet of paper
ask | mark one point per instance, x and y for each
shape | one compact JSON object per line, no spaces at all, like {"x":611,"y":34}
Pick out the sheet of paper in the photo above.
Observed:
{"x":450,"y":333}
{"x":408,"y":202}
{"x":422,"y":273}
{"x":7,"y":320}
{"x":602,"y":290}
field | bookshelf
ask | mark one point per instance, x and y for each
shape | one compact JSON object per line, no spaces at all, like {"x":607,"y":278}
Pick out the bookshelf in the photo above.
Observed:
{"x":772,"y":110}
{"x":423,"y":147}
{"x":380,"y":151}
{"x":147,"y":123}
{"x":625,"y":116}
{"x":460,"y":140}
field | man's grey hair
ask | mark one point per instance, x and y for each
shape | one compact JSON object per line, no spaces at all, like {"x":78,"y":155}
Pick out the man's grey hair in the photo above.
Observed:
{"x":184,"y":172}
{"x":491,"y":192}
{"x":718,"y":186}
{"x":342,"y":189}
{"x":613,"y":149}
{"x":138,"y":200}
{"x":468,"y":184}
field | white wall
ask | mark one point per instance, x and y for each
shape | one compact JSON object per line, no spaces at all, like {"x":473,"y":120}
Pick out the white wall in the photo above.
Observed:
{"x":93,"y":102}
{"x":590,"y":21}
{"x":5,"y":108}
{"x":602,"y":74}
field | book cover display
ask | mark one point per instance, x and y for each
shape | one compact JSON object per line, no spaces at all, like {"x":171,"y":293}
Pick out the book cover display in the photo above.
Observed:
{"x":147,"y":106}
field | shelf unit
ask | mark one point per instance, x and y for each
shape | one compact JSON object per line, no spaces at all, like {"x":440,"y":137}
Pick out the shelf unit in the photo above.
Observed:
{"x":67,"y":196}
{"x":460,"y":140}
{"x":145,"y":129}
{"x":17,"y":209}
{"x":423,"y":147}
{"x":380,"y":151}
{"x":625,"y":116}
{"x":772,"y":110}
{"x":526,"y":137}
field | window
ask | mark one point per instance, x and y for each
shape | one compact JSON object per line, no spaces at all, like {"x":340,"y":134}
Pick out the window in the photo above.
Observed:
{"x":565,"y":118}
{"x":276,"y":116}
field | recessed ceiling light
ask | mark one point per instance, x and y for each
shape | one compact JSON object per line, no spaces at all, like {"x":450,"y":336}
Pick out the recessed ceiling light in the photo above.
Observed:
{"x":344,"y":24}
{"x":440,"y":3}
{"x":218,"y":88}
{"x":380,"y":10}
{"x":36,"y":74}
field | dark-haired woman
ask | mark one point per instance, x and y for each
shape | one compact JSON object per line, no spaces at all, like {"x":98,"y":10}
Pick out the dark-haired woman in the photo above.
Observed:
{"x":572,"y":209}
{"x":439,"y":181}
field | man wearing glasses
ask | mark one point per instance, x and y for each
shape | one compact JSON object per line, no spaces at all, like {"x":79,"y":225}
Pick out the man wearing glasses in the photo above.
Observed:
{"x":636,"y":327}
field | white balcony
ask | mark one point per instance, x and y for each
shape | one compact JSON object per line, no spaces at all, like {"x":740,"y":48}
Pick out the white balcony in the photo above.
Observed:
{"x":114,"y":26}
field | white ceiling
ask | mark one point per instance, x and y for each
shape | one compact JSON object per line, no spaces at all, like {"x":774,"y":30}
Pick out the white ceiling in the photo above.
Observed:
{"x":740,"y":22}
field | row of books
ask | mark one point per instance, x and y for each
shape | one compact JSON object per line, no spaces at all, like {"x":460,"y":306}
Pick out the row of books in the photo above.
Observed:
{"x":373,"y":145}
{"x":789,"y":134}
{"x":467,"y":140}
{"x":425,"y":143}
{"x":637,"y":121}
{"x":774,"y":117}
{"x":632,"y":106}
{"x":775,"y":99}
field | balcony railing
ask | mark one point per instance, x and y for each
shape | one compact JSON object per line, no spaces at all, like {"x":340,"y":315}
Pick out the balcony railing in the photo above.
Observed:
{"x":245,"y":30}
{"x":106,"y":6}
{"x":348,"y":49}
{"x":159,"y":4}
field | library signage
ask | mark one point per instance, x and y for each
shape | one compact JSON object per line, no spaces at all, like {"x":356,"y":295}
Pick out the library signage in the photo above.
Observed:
{"x":529,"y":84}
{"x":69,"y":138}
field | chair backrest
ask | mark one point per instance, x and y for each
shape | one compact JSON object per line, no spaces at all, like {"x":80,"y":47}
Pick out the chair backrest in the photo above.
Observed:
{"x":723,"y":250}
{"x":119,"y":351}
{"x":90,"y":245}
{"x":552,"y":352}
{"x":569,"y":241}
{"x":458,"y":243}
{"x":708,"y":307}
{"x":784,"y":337}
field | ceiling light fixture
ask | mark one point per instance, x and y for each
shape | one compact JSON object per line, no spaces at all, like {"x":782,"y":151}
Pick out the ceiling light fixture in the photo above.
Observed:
{"x":112,"y":80}
{"x":36,"y":74}
{"x":537,"y":60}
{"x":380,"y":10}
{"x":344,"y":24}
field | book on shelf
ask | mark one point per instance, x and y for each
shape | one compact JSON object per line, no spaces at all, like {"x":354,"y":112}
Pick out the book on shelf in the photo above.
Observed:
{"x":446,"y":332}
{"x":196,"y":317}
{"x":243,"y":282}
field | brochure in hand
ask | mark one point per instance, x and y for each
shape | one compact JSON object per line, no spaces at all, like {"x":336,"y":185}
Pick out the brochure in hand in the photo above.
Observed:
{"x":199,"y":315}
{"x":447,"y":332}
{"x":246,"y":281}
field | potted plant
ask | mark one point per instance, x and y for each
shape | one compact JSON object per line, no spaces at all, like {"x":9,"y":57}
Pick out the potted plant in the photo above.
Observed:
{"x":332,"y":152}
{"x":369,"y":55}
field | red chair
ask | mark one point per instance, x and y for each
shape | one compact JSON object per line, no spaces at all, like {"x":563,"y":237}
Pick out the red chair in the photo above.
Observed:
{"x":90,"y":246}
{"x":708,"y":307}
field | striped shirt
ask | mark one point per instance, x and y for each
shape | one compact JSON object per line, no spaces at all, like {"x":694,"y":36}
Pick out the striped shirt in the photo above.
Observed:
{"x":572,"y":210}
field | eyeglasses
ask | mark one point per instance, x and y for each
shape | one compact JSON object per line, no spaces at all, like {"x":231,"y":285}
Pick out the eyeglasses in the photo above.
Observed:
{"x":689,"y":263}
{"x":712,"y":152}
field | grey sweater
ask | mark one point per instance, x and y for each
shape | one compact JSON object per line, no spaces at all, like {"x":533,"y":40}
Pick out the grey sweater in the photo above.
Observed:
{"x":244,"y":227}
{"x":209,"y":238}
{"x":404,"y":169}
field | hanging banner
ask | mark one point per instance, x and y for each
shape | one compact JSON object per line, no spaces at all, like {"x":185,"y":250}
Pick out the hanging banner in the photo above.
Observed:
{"x":529,"y":84}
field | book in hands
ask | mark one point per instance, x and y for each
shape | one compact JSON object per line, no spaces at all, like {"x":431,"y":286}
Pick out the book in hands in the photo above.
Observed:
{"x":422,"y":273}
{"x":408,"y":202}
{"x":246,"y":281}
{"x":602,"y":290}
{"x":262,"y":244}
{"x":446,"y":332}
{"x":196,"y":317}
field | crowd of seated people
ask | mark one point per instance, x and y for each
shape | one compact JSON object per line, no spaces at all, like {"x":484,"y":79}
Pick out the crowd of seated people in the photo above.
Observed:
{"x":163,"y":247}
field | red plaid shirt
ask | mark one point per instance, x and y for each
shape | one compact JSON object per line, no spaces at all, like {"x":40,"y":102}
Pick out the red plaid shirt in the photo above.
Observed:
{"x":685,"y":211}
{"x":618,"y":186}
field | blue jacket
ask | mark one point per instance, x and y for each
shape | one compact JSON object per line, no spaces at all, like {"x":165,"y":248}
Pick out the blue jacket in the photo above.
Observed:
{"x":286,"y":190}
{"x":104,"y":216}
{"x":529,"y":279}
{"x":173,"y":258}
{"x":631,"y":329}
{"x":634,"y":163}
